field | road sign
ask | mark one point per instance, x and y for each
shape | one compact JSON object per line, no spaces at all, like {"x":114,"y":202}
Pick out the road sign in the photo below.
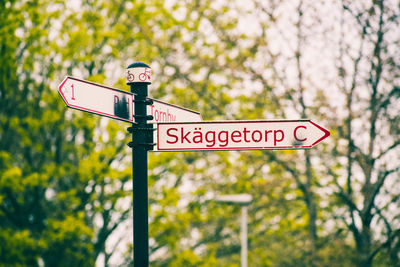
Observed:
{"x":239,"y":135}
{"x":96,"y":98}
{"x":117,"y":104}
{"x":164,"y":112}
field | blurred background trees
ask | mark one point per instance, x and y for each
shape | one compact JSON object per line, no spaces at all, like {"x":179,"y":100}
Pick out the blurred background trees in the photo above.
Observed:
{"x":65,"y":176}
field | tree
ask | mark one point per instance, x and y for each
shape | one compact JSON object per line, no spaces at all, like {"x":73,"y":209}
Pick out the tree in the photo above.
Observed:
{"x":372,"y":95}
{"x":59,"y":191}
{"x":281,"y":95}
{"x":31,"y":150}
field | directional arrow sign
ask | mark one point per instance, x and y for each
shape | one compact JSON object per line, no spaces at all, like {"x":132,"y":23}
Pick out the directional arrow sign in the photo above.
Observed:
{"x":164,"y":112}
{"x":117,"y":104}
{"x":239,"y":135}
{"x":96,"y":98}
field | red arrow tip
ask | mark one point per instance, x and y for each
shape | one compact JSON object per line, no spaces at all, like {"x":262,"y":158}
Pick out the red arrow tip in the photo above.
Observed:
{"x":325,"y":131}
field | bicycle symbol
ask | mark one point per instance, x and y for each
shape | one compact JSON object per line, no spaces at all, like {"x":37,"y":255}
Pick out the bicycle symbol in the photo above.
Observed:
{"x":130,"y":77}
{"x":141,"y":75}
{"x":145,"y":75}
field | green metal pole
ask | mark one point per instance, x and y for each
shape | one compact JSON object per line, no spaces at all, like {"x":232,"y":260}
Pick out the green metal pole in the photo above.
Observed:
{"x":140,"y":146}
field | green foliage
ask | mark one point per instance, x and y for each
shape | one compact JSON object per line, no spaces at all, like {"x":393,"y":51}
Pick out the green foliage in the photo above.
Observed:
{"x":54,"y":178}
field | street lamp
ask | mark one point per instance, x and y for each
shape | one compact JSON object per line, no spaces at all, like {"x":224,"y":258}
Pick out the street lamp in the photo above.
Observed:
{"x":244,"y":200}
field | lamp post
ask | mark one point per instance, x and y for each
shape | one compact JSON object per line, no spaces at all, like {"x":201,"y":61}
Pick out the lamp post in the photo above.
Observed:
{"x":244,"y":200}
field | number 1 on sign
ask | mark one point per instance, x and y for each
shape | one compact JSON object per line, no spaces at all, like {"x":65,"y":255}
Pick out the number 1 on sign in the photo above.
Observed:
{"x":73,"y":92}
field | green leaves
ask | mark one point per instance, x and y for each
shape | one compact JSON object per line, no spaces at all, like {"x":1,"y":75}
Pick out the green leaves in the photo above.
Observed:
{"x":69,"y":240}
{"x":20,"y":249}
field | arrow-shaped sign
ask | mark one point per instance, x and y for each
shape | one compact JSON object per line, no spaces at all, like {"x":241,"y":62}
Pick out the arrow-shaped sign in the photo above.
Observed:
{"x":239,"y":135}
{"x":96,"y":98}
{"x":117,"y":104}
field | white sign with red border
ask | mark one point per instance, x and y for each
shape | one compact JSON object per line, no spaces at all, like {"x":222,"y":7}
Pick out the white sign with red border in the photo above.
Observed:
{"x":164,"y":112}
{"x":118,"y":104}
{"x":239,"y":135}
{"x":96,"y":98}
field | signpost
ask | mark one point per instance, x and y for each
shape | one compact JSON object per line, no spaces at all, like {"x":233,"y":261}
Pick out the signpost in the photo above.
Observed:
{"x":140,"y":145}
{"x":239,"y":135}
{"x":117,"y":104}
{"x":178,"y":129}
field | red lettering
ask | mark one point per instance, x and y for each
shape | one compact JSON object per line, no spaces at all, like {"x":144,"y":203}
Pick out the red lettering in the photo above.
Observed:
{"x":295,"y":134}
{"x":212,"y":140}
{"x":245,"y":132}
{"x":266,"y":135}
{"x":276,"y":140}
{"x":151,"y":109}
{"x":184,"y":136}
{"x":224,"y":141}
{"x":236,"y":134}
{"x":163,"y":116}
{"x":259,"y":136}
{"x":73,"y":92}
{"x":172,"y":135}
{"x":198,"y":136}
{"x":156,"y":115}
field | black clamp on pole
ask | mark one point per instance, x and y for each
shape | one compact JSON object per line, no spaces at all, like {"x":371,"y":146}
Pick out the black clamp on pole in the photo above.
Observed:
{"x":148,"y":101}
{"x":149,"y":144}
{"x":138,"y":77}
{"x":146,"y":117}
